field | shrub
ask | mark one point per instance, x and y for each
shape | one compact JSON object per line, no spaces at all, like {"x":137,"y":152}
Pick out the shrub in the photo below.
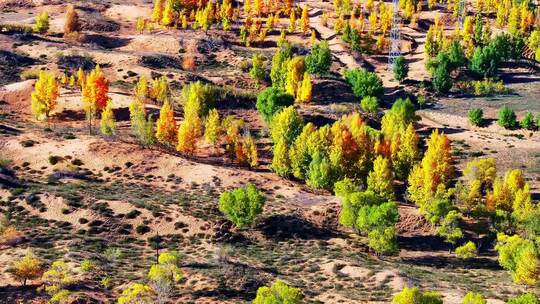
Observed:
{"x":241,"y":206}
{"x":42,"y":22}
{"x":528,"y":121}
{"x":466,"y":251}
{"x":400,"y":69}
{"x":278,"y":292}
{"x":369,"y":104}
{"x":507,"y":118}
{"x":271,"y":101}
{"x":476,"y":116}
{"x":364,"y":83}
{"x":72,"y":21}
{"x":527,"y":298}
{"x":320,"y":59}
{"x":415,"y":296}
{"x":27,"y":268}
{"x":474,"y":298}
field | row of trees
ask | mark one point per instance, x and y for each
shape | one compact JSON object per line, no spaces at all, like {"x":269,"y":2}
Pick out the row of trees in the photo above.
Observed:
{"x":506,"y":118}
{"x":414,"y":295}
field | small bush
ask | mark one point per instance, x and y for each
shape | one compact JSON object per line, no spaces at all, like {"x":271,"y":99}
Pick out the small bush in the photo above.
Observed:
{"x":369,"y":104}
{"x":528,"y":121}
{"x":27,"y":143}
{"x":364,"y":83}
{"x":507,"y":118}
{"x":142,"y":229}
{"x":476,"y":116}
{"x":53,"y":159}
{"x":466,"y":251}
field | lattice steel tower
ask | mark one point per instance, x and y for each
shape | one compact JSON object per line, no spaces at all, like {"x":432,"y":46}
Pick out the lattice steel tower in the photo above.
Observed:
{"x":395,"y":35}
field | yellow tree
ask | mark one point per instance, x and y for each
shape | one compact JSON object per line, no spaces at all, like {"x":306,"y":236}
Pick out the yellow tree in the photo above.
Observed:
{"x":295,"y":70}
{"x":168,"y":14}
{"x":434,"y":172}
{"x":107,"y":123}
{"x":292,"y":22}
{"x":212,"y":127}
{"x":381,"y":179}
{"x":304,"y":91}
{"x":45,"y":95}
{"x":304,"y":20}
{"x":27,"y":268}
{"x":166,"y":125}
{"x":157,"y":13}
{"x":81,"y":78}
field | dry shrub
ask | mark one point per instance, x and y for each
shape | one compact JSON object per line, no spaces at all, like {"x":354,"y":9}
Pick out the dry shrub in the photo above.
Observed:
{"x":72,"y":21}
{"x":10,"y":236}
{"x":188,"y":61}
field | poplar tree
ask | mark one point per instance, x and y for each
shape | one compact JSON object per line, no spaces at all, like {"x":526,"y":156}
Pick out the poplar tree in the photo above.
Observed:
{"x":166,"y":125}
{"x":45,"y":95}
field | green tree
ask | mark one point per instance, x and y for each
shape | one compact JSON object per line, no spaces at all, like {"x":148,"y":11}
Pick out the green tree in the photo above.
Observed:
{"x":476,"y":116}
{"x":383,"y":240}
{"x":241,"y":206}
{"x":364,"y":83}
{"x":278,"y":73}
{"x":278,"y":293}
{"x":442,"y":82}
{"x":271,"y":101}
{"x":258,"y":70}
{"x":320,"y":59}
{"x":527,"y":298}
{"x":506,"y":118}
{"x":321,"y":174}
{"x":400,"y":68}
{"x":449,"y":227}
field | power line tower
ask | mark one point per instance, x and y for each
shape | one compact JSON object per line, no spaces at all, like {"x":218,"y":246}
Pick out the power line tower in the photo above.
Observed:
{"x":395,"y":35}
{"x":461,"y":14}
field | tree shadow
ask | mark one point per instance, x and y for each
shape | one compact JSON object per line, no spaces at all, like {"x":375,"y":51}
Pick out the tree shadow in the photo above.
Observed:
{"x":281,"y":226}
{"x":422,"y":243}
{"x":326,"y":91}
{"x":453,"y":262}
{"x":20,"y":294}
{"x":105,"y":42}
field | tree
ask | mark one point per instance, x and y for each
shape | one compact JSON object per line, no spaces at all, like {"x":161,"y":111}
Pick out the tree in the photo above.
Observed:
{"x":167,"y":269}
{"x":485,"y":61}
{"x":45,"y":95}
{"x":271,"y":101}
{"x":108,"y":123}
{"x":519,"y":256}
{"x":381,"y":179}
{"x":27,"y":268}
{"x":42,"y":22}
{"x":321,"y":174}
{"x":442,"y":82}
{"x":212,"y":127}
{"x":295,"y":71}
{"x":299,"y":155}
{"x":506,"y":117}
{"x":142,"y":127}
{"x":258,"y":71}
{"x":431,"y":176}
{"x":407,"y":153}
{"x":304,"y":20}
{"x":278,"y":73}
{"x":467,"y":251}
{"x":279,"y":293}
{"x":383,"y":240}
{"x":292,"y":22}
{"x":242,"y":205}
{"x":71,"y":24}
{"x":136,"y":293}
{"x":449,"y":227}
{"x":364,"y":83}
{"x":304,"y":91}
{"x":94,"y":93}
{"x":286,"y":125}
{"x":168,"y":13}
{"x":320,"y":59}
{"x":140,"y":25}
{"x":81,"y":78}
{"x":160,"y":89}
{"x":476,"y":116}
{"x":157,"y":12}
{"x":166,"y":124}
{"x":400,"y":68}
